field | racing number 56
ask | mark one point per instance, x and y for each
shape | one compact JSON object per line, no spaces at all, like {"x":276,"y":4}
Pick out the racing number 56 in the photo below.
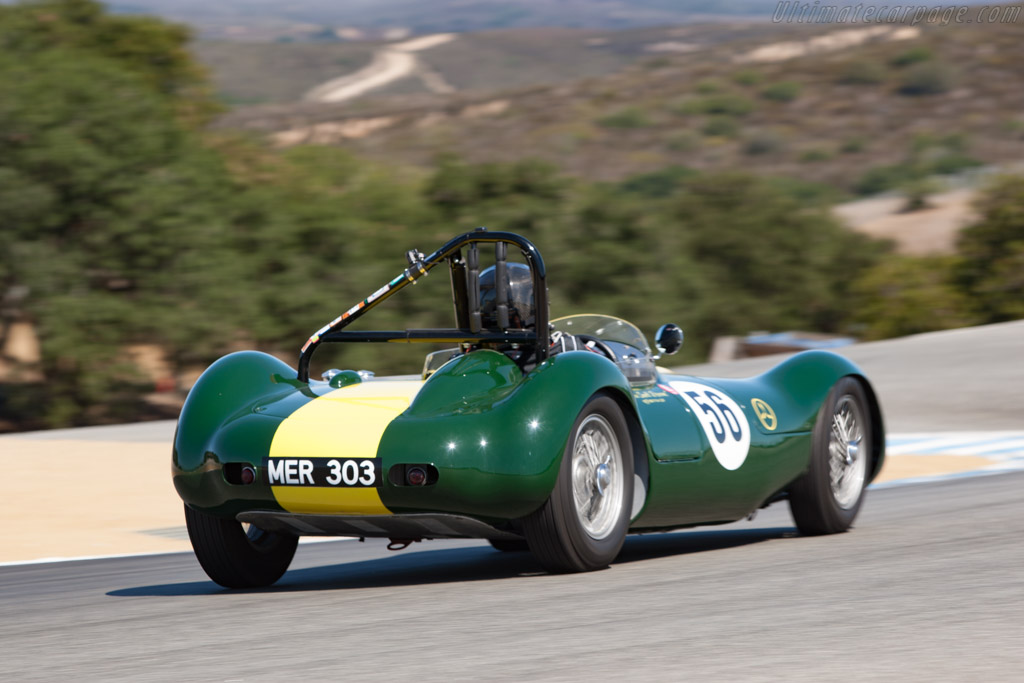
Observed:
{"x":722,"y":414}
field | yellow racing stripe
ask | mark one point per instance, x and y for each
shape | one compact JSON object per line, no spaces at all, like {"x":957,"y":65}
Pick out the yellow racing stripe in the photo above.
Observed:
{"x":346,"y":423}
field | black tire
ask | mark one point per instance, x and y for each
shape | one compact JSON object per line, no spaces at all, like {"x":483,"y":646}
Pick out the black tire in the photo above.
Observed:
{"x":509,"y":546}
{"x":818,"y":506}
{"x":556,"y":533}
{"x":235,"y":558}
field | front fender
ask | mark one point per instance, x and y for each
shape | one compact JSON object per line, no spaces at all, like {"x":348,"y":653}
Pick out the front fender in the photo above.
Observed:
{"x":496,"y":437}
{"x":796,"y":389}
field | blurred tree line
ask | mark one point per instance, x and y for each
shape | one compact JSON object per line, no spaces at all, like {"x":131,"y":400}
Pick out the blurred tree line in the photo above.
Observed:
{"x":124,"y":221}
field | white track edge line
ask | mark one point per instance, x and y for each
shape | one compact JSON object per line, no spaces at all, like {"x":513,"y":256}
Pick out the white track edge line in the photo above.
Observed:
{"x":897,"y":483}
{"x":305,"y":540}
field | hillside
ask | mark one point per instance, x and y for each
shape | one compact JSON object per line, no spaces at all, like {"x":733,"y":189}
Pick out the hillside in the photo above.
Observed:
{"x":140,"y":243}
{"x":257,"y":73}
{"x":281,"y":73}
{"x":264,"y":20}
{"x":907,"y":102}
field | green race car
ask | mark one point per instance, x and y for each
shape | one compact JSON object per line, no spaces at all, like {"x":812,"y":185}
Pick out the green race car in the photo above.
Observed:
{"x":560,"y":436}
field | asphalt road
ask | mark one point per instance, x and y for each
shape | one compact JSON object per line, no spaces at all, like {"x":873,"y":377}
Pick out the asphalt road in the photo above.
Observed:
{"x":928,"y":586}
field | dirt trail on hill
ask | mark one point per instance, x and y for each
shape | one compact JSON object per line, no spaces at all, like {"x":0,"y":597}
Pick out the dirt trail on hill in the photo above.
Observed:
{"x":389,"y":64}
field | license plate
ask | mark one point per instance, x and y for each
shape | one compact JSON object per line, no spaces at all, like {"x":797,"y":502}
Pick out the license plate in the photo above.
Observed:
{"x":324,"y":472}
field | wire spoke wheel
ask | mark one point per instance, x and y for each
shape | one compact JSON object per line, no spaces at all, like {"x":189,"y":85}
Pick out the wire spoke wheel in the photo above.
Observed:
{"x":847,"y":458}
{"x":584,"y":522}
{"x":827,"y":498}
{"x":597,"y":476}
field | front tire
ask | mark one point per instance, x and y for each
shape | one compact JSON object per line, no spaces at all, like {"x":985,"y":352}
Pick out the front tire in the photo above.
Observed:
{"x":827,"y":498}
{"x":583,"y":524}
{"x":235,"y":557}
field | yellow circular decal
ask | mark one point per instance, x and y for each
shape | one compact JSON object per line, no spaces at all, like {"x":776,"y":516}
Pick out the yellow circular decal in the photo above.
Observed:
{"x":765,"y":414}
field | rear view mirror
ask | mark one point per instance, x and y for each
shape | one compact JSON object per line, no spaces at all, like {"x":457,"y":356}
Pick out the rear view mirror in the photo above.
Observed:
{"x":668,"y":339}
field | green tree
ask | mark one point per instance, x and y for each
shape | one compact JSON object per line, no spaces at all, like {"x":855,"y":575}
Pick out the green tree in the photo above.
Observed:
{"x":908,"y":295}
{"x":108,"y":210}
{"x":154,"y":50}
{"x":992,"y":252}
{"x":763,"y":259}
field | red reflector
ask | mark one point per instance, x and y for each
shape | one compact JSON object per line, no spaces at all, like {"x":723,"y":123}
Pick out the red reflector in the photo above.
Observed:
{"x":248,"y":475}
{"x":416,"y":476}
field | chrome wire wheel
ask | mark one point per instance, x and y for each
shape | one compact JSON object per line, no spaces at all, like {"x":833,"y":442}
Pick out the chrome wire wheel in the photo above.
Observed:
{"x":847,"y":456}
{"x":583,"y":523}
{"x":598,"y":484}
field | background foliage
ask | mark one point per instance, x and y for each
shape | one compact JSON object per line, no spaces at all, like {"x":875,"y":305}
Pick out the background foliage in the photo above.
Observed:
{"x":124,"y":221}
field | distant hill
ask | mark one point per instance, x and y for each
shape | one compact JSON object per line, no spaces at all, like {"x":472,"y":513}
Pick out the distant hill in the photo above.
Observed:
{"x":374,"y":19}
{"x":281,"y":73}
{"x":905,"y":103}
{"x":259,"y":19}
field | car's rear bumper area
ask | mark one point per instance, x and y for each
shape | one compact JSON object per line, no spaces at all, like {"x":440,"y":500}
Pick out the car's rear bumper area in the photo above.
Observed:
{"x":404,"y":527}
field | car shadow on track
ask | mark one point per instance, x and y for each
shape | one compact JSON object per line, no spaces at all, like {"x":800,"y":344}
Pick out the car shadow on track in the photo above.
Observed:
{"x":456,"y":565}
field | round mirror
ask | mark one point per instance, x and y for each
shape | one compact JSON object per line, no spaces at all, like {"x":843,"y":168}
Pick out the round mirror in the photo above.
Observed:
{"x":668,"y":339}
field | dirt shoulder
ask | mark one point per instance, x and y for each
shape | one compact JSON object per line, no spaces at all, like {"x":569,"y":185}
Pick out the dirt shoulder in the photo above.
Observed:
{"x":66,"y":498}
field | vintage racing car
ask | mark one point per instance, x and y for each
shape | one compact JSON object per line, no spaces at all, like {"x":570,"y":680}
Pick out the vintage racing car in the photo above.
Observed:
{"x":558,"y":436}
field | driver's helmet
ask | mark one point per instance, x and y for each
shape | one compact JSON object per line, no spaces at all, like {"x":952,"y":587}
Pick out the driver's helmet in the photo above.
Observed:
{"x":520,"y":297}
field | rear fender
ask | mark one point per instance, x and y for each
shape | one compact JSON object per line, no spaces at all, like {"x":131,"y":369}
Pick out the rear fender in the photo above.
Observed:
{"x":223,"y":420}
{"x":496,"y":437}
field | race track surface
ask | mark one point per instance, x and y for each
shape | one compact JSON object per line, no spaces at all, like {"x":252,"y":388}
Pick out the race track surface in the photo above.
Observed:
{"x":969,"y":379}
{"x":928,"y":586}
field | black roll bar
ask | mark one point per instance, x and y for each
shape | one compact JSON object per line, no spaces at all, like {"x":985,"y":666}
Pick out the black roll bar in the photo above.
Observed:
{"x":420,"y":266}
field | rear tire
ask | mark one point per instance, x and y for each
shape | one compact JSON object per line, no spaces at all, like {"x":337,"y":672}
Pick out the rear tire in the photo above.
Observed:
{"x":234,"y":557}
{"x":583,"y":524}
{"x":827,"y":498}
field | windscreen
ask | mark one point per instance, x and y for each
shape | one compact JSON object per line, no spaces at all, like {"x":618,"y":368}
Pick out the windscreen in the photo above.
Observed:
{"x":604,"y":327}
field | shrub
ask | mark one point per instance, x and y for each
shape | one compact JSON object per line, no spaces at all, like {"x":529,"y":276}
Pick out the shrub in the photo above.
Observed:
{"x":917,"y":193}
{"x":953,"y":162}
{"x":815,"y":154}
{"x":721,"y":126}
{"x":927,"y":78}
{"x":658,"y":184}
{"x":783,"y":91}
{"x":915,"y":55}
{"x":861,"y":72}
{"x":1015,"y":127}
{"x":708,"y":86}
{"x":852,"y":145}
{"x":905,"y":295}
{"x":992,"y":252}
{"x":881,"y":178}
{"x":763,"y":142}
{"x":630,"y":117}
{"x":729,"y":104}
{"x":747,"y":77}
{"x":683,"y":141}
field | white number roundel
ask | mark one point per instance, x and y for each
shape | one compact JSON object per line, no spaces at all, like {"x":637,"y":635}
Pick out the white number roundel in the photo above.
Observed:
{"x":723,"y":421}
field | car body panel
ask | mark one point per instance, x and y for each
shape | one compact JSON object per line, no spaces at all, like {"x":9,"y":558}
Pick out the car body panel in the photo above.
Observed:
{"x":347,"y":422}
{"x":496,"y":436}
{"x":491,"y":425}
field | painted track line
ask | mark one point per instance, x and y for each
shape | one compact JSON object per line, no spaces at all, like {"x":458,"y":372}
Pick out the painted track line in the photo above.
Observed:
{"x":305,"y":540}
